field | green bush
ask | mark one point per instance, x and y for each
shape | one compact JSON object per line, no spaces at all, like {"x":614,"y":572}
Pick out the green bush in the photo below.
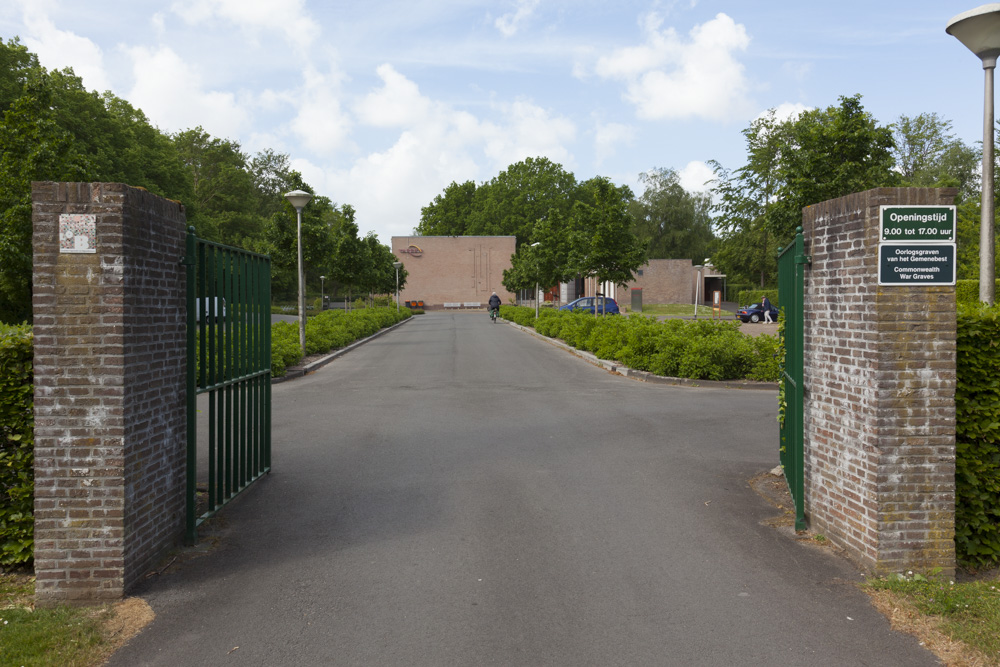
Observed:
{"x":977,"y":434}
{"x":326,"y":331}
{"x":702,"y":349}
{"x":746,"y":297}
{"x":967,"y":291}
{"x":17,"y":441}
{"x":519,"y":315}
{"x":285,"y":350}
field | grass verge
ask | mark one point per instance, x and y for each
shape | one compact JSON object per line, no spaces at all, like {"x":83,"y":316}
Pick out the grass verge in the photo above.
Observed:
{"x":959,"y":622}
{"x":63,"y":636}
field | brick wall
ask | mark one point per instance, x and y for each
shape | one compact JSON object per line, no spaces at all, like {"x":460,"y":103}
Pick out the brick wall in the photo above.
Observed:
{"x":109,"y":390}
{"x":454,"y":269}
{"x":663,"y":281}
{"x":879,"y":393}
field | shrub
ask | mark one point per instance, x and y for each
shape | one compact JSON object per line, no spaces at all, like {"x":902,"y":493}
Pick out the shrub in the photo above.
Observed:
{"x":967,"y":291}
{"x":17,"y":441}
{"x":977,"y":434}
{"x":746,"y":297}
{"x":519,"y":315}
{"x":327,"y":331}
{"x":285,"y":350}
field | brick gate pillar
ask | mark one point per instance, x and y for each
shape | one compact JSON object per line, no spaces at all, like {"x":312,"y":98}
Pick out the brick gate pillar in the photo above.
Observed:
{"x":109,"y":365}
{"x":879,"y":393}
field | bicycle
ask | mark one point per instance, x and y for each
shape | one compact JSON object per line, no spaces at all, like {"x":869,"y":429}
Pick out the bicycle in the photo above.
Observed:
{"x":493,"y":314}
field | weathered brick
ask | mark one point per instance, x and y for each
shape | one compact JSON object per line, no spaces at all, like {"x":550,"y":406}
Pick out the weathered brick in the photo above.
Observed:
{"x":880,"y":382}
{"x":106,"y":434}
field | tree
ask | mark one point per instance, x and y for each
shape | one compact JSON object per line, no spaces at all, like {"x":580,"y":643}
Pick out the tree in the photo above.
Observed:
{"x":822,"y":154}
{"x":601,"y":240}
{"x":672,"y":222}
{"x":449,"y":214}
{"x":513,"y":201}
{"x":747,"y":248}
{"x":832,"y":152}
{"x":927,"y":154}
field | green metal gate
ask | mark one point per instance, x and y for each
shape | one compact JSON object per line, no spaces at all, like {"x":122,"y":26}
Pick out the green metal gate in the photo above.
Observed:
{"x":228,"y":360}
{"x":791,"y":281}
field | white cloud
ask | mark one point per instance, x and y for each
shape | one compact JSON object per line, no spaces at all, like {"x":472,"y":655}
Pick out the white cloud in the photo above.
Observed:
{"x":669,"y":77}
{"x":696,"y":177}
{"x":435,"y":144}
{"x":397,"y":104}
{"x":609,"y":138}
{"x":288,"y":16}
{"x":509,"y":23}
{"x":527,"y":131}
{"x":171,"y":94}
{"x":57,"y":49}
{"x":321,"y":124}
{"x":787,"y":111}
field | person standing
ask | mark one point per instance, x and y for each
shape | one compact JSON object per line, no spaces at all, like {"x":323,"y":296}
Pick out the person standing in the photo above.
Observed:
{"x":765,"y":304}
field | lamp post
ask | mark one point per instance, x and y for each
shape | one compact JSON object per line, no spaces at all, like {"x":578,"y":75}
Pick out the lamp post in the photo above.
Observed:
{"x":697,"y":291}
{"x":979,"y":30}
{"x":299,"y":199}
{"x":396,"y":266}
{"x":322,"y":293}
{"x":535,"y":245}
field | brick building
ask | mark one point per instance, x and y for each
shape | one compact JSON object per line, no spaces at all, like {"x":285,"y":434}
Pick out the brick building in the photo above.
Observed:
{"x":463,"y":271}
{"x":454,"y":271}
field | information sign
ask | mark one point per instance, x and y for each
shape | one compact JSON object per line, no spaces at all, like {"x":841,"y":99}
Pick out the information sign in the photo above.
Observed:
{"x":916,"y":264}
{"x":917,"y":224}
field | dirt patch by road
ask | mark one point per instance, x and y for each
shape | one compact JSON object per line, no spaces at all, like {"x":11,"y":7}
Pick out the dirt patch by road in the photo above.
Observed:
{"x":751,"y":329}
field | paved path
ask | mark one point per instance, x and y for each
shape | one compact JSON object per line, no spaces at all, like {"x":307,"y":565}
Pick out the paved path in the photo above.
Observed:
{"x":461,"y":493}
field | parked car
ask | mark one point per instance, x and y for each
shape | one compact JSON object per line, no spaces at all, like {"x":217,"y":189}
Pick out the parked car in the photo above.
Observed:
{"x":755,"y":313}
{"x":212,"y":307}
{"x":586,"y":304}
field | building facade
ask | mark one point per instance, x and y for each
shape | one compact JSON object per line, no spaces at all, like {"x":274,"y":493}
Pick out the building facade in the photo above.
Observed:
{"x":454,"y":271}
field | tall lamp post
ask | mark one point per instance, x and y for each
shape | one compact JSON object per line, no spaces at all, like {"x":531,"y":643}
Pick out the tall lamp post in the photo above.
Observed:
{"x":979,"y":30}
{"x":322,"y":293}
{"x":697,"y":291}
{"x":299,"y":199}
{"x":535,"y":245}
{"x":397,"y":265}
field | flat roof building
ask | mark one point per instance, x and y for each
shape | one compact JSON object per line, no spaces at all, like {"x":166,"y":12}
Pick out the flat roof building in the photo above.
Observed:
{"x":454,"y":271}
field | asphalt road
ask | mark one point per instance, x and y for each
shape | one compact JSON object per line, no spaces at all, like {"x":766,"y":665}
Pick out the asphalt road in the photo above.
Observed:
{"x":462,"y":493}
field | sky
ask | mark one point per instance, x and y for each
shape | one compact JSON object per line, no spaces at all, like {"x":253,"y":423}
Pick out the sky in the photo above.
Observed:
{"x":381,"y":104}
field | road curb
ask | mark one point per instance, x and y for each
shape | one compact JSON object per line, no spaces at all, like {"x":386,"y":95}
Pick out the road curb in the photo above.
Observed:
{"x":294,"y":372}
{"x":645,"y":376}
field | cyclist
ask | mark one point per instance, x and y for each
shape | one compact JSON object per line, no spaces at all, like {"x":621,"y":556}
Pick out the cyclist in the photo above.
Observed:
{"x":494,"y":305}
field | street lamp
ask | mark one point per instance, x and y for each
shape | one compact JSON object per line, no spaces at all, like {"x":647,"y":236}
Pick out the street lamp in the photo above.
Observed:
{"x":322,"y":293}
{"x":396,"y":266}
{"x":979,"y":30}
{"x":299,"y":199}
{"x":697,"y":291}
{"x":535,"y":245}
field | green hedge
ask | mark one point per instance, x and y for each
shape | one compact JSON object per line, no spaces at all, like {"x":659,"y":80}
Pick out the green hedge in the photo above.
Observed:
{"x":977,"y":433}
{"x":746,"y":297}
{"x":17,"y":440}
{"x":327,"y":331}
{"x":697,"y":349}
{"x":967,"y":291}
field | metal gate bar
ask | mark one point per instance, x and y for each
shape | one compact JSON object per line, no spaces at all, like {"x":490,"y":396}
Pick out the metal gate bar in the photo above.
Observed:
{"x":229,"y":359}
{"x":791,"y":282}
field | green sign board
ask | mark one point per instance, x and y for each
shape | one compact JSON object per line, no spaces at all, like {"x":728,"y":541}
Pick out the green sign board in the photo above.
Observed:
{"x":916,"y":264}
{"x":917,"y":224}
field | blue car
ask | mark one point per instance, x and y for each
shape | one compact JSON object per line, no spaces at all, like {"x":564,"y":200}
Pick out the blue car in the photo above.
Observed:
{"x":586,"y":304}
{"x":755,"y":313}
